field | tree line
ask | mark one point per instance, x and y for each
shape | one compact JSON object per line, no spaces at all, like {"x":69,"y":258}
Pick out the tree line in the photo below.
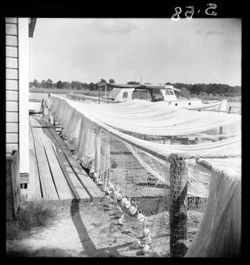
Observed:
{"x":73,"y":85}
{"x":186,"y":89}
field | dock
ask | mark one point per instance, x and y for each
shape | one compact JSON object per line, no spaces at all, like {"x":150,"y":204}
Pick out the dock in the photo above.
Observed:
{"x":54,"y":174}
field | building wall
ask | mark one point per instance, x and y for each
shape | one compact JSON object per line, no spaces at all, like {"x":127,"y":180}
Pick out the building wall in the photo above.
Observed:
{"x":12,"y":86}
{"x":23,"y":49}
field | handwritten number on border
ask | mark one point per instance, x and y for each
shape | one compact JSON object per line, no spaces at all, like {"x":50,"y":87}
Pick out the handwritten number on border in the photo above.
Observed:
{"x":191,"y":12}
{"x":176,"y":16}
{"x":211,"y":6}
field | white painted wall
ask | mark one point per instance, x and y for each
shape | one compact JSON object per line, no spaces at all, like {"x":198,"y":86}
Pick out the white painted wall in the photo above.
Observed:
{"x":23,"y":39}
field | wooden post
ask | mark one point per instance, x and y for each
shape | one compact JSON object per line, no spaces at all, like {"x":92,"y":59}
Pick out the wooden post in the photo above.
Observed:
{"x":105,"y":92}
{"x":97,"y":149}
{"x":98,"y":94}
{"x":54,"y":121}
{"x":108,"y":159}
{"x":221,"y":132}
{"x":106,"y":144}
{"x":178,"y":206}
{"x":42,"y":107}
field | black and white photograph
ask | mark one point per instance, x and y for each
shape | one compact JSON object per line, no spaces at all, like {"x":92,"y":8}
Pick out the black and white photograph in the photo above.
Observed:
{"x":123,"y":136}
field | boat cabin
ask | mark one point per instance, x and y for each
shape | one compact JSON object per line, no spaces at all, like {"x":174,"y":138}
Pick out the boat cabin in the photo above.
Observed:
{"x":153,"y":93}
{"x":121,"y":93}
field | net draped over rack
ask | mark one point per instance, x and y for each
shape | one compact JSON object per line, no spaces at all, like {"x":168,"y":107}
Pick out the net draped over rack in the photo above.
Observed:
{"x":213,"y":164}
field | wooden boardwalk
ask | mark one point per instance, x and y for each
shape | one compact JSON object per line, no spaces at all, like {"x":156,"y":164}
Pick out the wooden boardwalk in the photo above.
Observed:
{"x":54,"y":174}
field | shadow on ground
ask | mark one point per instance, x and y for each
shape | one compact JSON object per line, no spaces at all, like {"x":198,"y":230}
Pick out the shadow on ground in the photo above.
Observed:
{"x":86,"y":241}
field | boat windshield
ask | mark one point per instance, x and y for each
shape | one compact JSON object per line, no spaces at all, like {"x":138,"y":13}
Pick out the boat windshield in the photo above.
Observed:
{"x":168,"y":91}
{"x":114,"y":92}
{"x":157,"y":95}
{"x":141,"y":94}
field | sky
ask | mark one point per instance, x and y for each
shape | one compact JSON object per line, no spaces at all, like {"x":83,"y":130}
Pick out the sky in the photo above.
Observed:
{"x":148,"y":50}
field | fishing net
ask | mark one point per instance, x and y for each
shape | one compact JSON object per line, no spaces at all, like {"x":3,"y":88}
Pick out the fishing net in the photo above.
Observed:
{"x":177,"y":197}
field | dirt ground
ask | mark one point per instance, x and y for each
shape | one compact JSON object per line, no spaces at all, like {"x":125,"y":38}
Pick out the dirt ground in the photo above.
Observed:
{"x":92,"y":230}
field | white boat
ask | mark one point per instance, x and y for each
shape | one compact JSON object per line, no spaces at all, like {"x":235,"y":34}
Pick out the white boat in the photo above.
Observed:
{"x":166,"y":93}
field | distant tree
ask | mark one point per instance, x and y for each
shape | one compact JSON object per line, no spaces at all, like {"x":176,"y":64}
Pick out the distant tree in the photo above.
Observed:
{"x":103,"y":80}
{"x":85,"y":86}
{"x":91,"y":86}
{"x":43,"y":84}
{"x":35,"y":83}
{"x":184,"y":92}
{"x":59,"y":84}
{"x":133,"y":83}
{"x":76,"y":85}
{"x":111,"y":81}
{"x":49,"y":83}
{"x":66,"y":85}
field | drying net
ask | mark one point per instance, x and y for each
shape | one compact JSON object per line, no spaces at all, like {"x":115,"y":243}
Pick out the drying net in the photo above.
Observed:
{"x":175,"y":175}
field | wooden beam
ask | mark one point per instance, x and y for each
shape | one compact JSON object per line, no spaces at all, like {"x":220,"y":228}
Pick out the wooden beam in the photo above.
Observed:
{"x":34,"y":179}
{"x":74,"y":184}
{"x":34,"y":122}
{"x":48,"y":188}
{"x":178,"y":206}
{"x":58,"y":176}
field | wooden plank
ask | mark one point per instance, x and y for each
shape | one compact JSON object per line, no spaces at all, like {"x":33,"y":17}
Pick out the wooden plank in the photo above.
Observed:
{"x":34,"y":179}
{"x":11,"y":19}
{"x":11,"y":29}
{"x":85,"y":180}
{"x":81,"y":193}
{"x":11,"y":40}
{"x":11,"y":63}
{"x":48,"y":188}
{"x":11,"y":127}
{"x":88,"y":183}
{"x":11,"y":52}
{"x":11,"y":73}
{"x":11,"y":85}
{"x":60,"y":181}
{"x":74,"y":183}
{"x":11,"y":116}
{"x":11,"y":106}
{"x":11,"y":147}
{"x":34,"y":122}
{"x":11,"y":138}
{"x":11,"y":95}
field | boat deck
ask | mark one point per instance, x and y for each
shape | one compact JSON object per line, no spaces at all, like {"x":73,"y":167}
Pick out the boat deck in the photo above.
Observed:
{"x":54,"y":174}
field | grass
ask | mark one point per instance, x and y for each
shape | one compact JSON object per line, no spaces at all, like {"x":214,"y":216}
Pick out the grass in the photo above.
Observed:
{"x":48,"y":90}
{"x":65,"y":91}
{"x":31,"y":215}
